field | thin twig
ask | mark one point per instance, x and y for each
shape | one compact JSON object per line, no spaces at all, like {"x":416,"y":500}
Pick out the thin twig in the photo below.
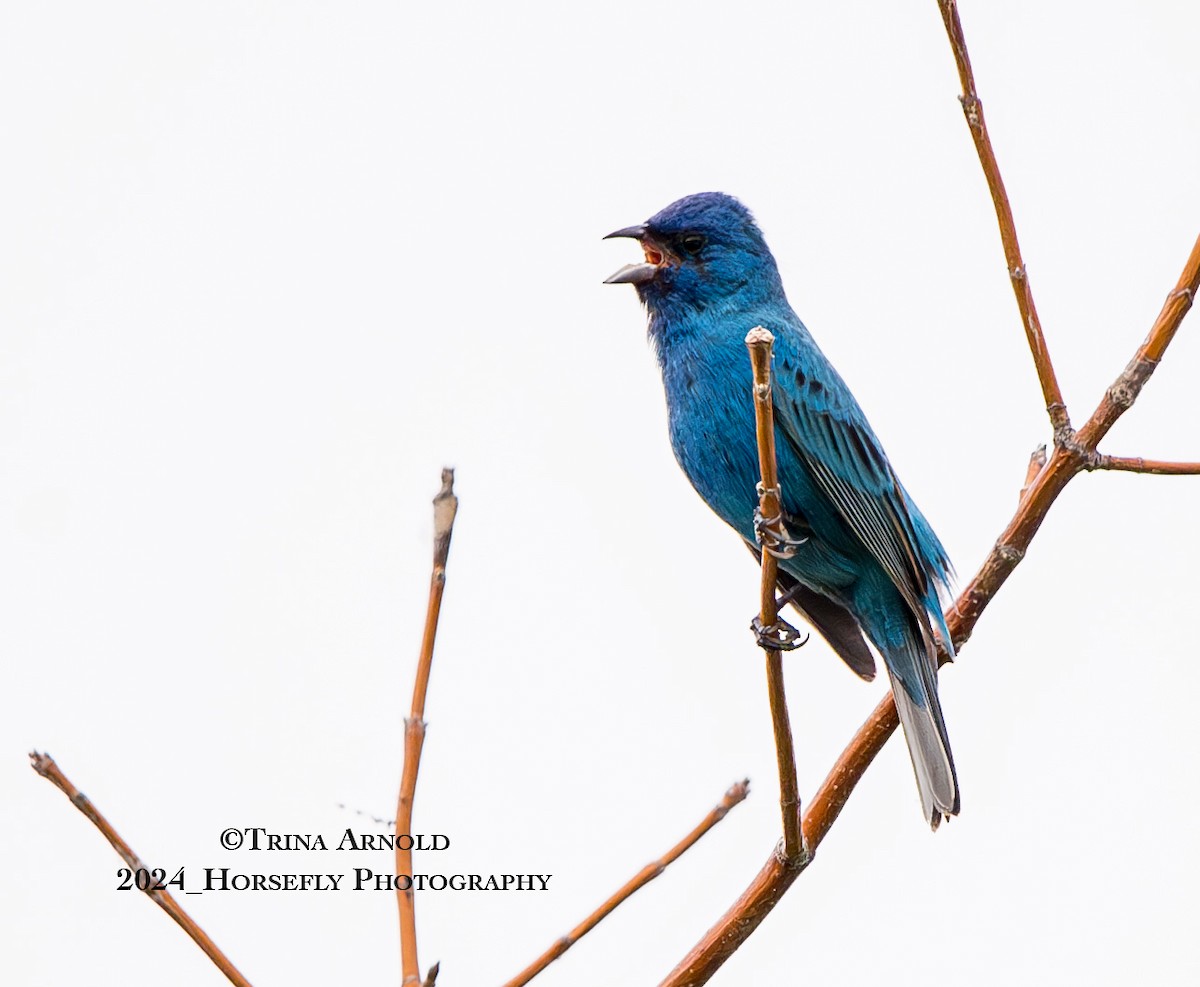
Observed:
{"x":1135,"y":464}
{"x":1066,"y":461}
{"x":973,"y":111}
{"x":1037,"y":460}
{"x":759,"y":343}
{"x":1124,"y":391}
{"x":445,"y":506}
{"x":736,"y":793}
{"x":46,"y":766}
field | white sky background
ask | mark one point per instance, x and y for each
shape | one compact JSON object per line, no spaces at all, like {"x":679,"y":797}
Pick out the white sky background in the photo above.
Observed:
{"x":268,"y":267}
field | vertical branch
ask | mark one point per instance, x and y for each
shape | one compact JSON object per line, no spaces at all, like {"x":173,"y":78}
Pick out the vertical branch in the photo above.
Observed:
{"x":789,"y":790}
{"x":445,"y":506}
{"x":759,"y":342}
{"x":973,"y":111}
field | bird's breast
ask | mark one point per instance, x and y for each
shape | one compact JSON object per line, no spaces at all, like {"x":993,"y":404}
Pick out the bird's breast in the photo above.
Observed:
{"x":712,"y":434}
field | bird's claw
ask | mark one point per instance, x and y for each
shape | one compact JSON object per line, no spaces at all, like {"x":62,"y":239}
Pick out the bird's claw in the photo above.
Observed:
{"x":780,"y":636}
{"x":775,"y":539}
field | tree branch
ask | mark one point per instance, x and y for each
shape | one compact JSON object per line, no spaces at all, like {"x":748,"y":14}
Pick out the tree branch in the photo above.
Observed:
{"x":445,"y":506}
{"x":774,"y":636}
{"x":46,"y":766}
{"x":1124,"y":391}
{"x":736,"y":793}
{"x":1135,"y":464}
{"x":973,"y":111}
{"x":1037,"y":460}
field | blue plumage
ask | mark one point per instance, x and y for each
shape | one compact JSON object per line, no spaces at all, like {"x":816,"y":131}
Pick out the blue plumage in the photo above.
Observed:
{"x":871,"y":563}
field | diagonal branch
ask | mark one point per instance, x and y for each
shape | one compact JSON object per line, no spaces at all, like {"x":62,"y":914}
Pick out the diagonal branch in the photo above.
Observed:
{"x":1124,"y":391}
{"x":973,"y":111}
{"x":736,"y":793}
{"x":445,"y":506}
{"x":46,"y":766}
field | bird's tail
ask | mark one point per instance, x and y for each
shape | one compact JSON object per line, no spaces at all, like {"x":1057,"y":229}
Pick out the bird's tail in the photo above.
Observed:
{"x":912,"y":667}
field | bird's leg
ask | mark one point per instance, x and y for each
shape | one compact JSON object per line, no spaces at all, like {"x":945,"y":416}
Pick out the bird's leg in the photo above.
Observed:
{"x":780,"y":636}
{"x":772,"y":534}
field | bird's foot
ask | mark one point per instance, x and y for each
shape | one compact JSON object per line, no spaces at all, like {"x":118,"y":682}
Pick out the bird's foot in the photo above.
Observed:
{"x":771,"y":534}
{"x":780,"y":636}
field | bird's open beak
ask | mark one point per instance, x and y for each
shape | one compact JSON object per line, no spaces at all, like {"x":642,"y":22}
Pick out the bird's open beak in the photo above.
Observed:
{"x":633,"y":274}
{"x":636,"y":273}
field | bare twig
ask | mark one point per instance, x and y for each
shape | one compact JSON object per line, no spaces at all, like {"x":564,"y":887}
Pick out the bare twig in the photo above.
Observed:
{"x":1065,"y":462}
{"x":1037,"y":460}
{"x":46,"y":766}
{"x":445,"y":506}
{"x":759,"y":342}
{"x":1135,"y":464}
{"x":973,"y":111}
{"x":1124,"y":391}
{"x":736,"y":793}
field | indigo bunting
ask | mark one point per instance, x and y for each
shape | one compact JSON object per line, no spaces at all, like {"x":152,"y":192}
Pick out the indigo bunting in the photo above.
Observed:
{"x":860,"y":559}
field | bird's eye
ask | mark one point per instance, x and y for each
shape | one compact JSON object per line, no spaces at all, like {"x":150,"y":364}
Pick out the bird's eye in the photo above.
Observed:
{"x":692,"y":243}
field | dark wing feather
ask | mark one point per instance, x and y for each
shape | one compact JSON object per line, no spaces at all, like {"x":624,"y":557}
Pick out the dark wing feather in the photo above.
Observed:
{"x":828,"y":431}
{"x":834,"y":623}
{"x":831,"y":620}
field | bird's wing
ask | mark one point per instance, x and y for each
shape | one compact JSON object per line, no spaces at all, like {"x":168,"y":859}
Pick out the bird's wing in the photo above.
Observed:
{"x":828,"y":431}
{"x":834,"y":623}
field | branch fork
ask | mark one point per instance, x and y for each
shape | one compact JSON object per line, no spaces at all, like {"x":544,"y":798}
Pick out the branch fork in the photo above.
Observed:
{"x":1046,"y":477}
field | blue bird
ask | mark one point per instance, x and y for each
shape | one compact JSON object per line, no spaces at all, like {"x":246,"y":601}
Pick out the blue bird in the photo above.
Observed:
{"x":862,"y":559}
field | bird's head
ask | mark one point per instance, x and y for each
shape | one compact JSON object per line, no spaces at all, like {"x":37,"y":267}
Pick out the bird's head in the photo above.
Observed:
{"x":700,"y":251}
